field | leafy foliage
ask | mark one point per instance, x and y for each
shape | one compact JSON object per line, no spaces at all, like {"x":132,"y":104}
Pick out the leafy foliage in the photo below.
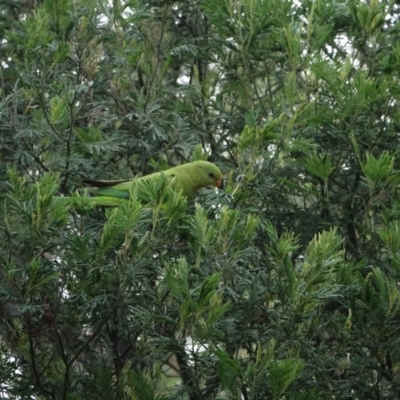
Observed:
{"x":284,"y":285}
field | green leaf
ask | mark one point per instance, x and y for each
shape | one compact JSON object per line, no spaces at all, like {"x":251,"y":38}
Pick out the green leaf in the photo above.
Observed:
{"x":283,"y":373}
{"x":319,"y":166}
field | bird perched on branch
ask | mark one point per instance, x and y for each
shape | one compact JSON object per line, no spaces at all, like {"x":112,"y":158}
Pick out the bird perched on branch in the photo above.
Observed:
{"x":188,"y":178}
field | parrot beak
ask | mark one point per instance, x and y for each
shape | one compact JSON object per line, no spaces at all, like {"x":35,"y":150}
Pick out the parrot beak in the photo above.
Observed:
{"x":218,"y":182}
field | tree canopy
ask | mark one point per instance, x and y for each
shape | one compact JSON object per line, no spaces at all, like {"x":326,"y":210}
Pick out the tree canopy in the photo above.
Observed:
{"x":282,"y":285}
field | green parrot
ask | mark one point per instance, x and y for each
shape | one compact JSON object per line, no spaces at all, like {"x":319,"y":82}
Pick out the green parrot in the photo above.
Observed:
{"x":188,"y":177}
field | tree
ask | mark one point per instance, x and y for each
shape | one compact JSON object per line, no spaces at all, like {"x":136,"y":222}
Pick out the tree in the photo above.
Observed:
{"x":285,"y":284}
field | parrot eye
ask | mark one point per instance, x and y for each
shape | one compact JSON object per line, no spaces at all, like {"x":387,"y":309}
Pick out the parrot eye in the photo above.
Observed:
{"x":211,"y":175}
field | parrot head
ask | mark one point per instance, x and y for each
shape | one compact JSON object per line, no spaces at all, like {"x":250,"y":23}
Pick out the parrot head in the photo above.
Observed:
{"x":204,"y":173}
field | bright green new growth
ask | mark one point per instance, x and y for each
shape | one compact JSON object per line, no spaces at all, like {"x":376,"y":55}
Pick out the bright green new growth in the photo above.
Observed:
{"x":188,"y":178}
